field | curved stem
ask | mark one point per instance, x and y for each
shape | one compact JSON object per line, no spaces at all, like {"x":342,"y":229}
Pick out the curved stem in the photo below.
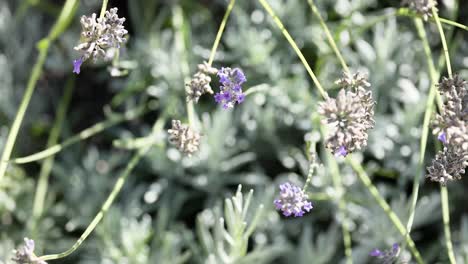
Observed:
{"x":442,"y":38}
{"x":385,"y":206}
{"x":87,"y":133}
{"x":220,"y":31}
{"x":446,"y":219}
{"x":41,"y":189}
{"x":62,"y":22}
{"x":406,"y":12}
{"x":294,"y":46}
{"x":105,"y":207}
{"x":330,"y":38}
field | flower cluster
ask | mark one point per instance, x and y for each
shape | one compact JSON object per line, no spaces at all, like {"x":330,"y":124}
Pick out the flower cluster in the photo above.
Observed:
{"x":98,"y":35}
{"x":25,"y":254}
{"x":451,"y":126}
{"x":292,"y":200}
{"x":200,"y":83}
{"x":388,"y":256}
{"x":184,"y":138}
{"x":231,"y":90}
{"x":350,"y":115}
{"x":422,"y":7}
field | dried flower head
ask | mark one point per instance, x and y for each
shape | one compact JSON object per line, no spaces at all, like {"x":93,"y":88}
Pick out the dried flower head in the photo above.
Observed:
{"x":25,"y":254}
{"x":99,"y":35}
{"x":292,"y":200}
{"x":448,"y":165}
{"x":231,"y":90}
{"x":184,"y":138}
{"x":451,"y":128}
{"x":422,"y":7}
{"x":388,"y":256}
{"x":200,"y":83}
{"x":349,"y":116}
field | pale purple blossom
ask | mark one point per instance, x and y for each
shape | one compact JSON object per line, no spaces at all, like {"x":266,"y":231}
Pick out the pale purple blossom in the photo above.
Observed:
{"x":230,"y":91}
{"x":292,"y":200}
{"x":76,"y":65}
{"x":388,"y":256}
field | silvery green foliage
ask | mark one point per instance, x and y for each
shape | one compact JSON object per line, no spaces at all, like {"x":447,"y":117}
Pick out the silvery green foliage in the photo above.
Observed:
{"x":224,"y":238}
{"x":259,"y":144}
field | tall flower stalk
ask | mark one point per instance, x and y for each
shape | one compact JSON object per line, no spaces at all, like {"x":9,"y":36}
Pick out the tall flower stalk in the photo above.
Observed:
{"x":59,"y":27}
{"x":362,"y":176}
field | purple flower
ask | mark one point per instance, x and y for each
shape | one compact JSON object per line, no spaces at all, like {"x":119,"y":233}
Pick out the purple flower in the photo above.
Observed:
{"x":292,"y":200}
{"x":231,"y":87}
{"x":76,"y":65}
{"x":341,"y":152}
{"x":387,"y":256}
{"x":442,"y":137}
{"x":376,"y":253}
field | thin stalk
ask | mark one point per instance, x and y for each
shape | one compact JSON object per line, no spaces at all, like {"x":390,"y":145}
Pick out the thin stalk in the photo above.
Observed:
{"x":406,"y":12}
{"x":442,"y":38}
{"x":336,"y":178}
{"x":330,"y":38}
{"x":446,"y":219}
{"x":105,"y":207}
{"x":42,"y":185}
{"x":86,"y":133}
{"x":178,"y":22}
{"x":385,"y":206}
{"x":294,"y":46}
{"x":103,"y":8}
{"x":427,"y":118}
{"x":443,"y":190}
{"x":60,"y":25}
{"x":220,"y":32}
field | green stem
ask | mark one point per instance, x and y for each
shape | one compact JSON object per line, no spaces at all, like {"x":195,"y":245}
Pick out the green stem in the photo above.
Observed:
{"x":220,"y":31}
{"x":442,"y":38}
{"x":105,"y":207}
{"x":330,"y":38}
{"x":178,"y":22}
{"x":47,"y":165}
{"x":60,"y":25}
{"x":406,"y":12}
{"x":88,"y":132}
{"x":385,"y":206}
{"x":103,"y":8}
{"x":336,"y":178}
{"x":294,"y":46}
{"x":427,"y":118}
{"x":446,"y":219}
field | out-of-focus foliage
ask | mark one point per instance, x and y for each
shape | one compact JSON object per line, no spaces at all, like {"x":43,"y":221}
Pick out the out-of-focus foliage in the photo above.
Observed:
{"x":259,"y":144}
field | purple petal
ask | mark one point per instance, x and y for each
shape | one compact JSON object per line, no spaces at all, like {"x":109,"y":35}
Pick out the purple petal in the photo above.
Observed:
{"x":395,"y":248}
{"x":76,"y":65}
{"x":341,"y":152}
{"x":376,"y":253}
{"x":443,"y":138}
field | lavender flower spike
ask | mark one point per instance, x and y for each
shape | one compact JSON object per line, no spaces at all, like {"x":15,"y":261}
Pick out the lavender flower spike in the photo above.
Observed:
{"x":388,"y":256}
{"x":76,"y":65}
{"x":25,"y":254}
{"x":292,"y":200}
{"x":231,"y":90}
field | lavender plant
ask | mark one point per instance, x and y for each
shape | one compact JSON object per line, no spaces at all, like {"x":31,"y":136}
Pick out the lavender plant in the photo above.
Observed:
{"x":131,"y":167}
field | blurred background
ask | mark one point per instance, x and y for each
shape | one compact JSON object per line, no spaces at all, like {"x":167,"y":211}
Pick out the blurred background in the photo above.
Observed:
{"x":260,"y":144}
